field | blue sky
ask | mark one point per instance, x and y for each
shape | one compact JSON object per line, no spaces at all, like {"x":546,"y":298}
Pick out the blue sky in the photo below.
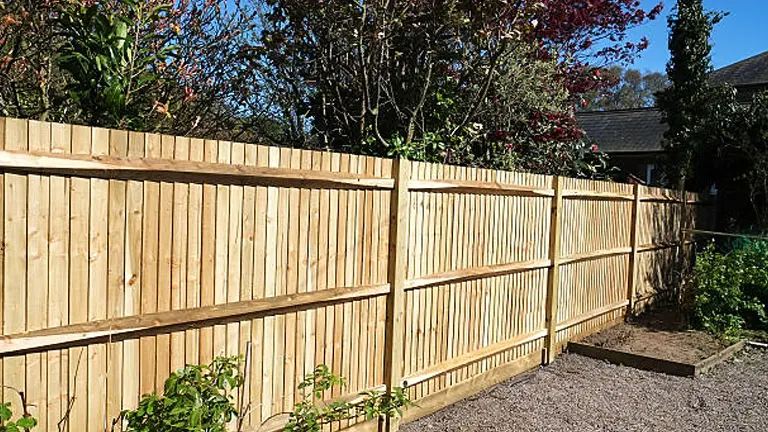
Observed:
{"x":740,"y":35}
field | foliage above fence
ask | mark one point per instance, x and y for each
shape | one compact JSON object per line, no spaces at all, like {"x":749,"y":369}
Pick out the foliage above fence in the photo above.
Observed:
{"x":489,"y":83}
{"x":128,"y":255}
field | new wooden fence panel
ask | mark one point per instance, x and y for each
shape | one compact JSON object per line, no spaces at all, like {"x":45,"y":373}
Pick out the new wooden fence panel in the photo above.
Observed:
{"x":117,"y":271}
{"x":594,"y":256}
{"x":474,"y":287}
{"x":97,"y":249}
{"x":659,"y":236}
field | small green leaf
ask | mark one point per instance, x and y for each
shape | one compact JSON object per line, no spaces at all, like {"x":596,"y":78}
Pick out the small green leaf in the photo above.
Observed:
{"x":5,"y":411}
{"x":27,"y":422}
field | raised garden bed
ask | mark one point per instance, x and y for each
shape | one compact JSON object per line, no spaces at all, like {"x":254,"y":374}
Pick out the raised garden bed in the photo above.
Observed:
{"x":658,"y":341}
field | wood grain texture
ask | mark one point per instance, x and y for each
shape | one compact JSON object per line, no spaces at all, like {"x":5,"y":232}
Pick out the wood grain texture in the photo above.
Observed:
{"x":128,"y":255}
{"x":220,"y":171}
{"x":553,"y":282}
{"x":393,"y":345}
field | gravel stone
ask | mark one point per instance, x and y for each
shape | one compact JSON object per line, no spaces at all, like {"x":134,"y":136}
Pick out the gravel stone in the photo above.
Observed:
{"x":576,"y":393}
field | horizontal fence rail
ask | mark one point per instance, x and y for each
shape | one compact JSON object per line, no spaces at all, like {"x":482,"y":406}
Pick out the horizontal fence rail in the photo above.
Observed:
{"x":182,"y":171}
{"x":128,"y":255}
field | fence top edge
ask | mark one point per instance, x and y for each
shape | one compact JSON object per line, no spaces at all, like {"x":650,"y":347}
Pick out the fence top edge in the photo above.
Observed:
{"x":549,"y":179}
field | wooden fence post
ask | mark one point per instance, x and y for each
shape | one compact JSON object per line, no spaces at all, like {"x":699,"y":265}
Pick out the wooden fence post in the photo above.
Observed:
{"x":553,"y":281}
{"x":685,"y":258}
{"x":398,"y":223}
{"x":633,"y":239}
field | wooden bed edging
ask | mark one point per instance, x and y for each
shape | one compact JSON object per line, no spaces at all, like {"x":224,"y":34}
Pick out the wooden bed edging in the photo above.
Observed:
{"x":632,"y":360}
{"x":710,"y":362}
{"x":655,"y":364}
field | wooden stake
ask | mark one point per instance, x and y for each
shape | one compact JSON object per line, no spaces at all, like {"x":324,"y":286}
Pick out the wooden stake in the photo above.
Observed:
{"x":633,"y":240}
{"x":553,"y":280}
{"x":393,"y":355}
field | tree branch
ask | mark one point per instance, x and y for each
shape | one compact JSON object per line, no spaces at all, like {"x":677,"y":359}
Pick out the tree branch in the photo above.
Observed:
{"x":484,"y":92}
{"x":422,"y":100}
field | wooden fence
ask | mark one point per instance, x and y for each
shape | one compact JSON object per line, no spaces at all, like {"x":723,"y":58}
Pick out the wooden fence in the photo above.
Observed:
{"x":126,"y":255}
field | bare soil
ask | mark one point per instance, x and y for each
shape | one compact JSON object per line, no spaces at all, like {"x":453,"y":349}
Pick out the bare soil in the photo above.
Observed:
{"x":576,"y":393}
{"x":661,"y":334}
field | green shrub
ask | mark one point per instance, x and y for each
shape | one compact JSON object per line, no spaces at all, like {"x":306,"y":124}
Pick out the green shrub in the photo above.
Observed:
{"x":754,"y":261}
{"x":310,"y":414}
{"x":23,"y":423}
{"x":112,"y":55}
{"x":732,"y":288}
{"x":199,"y":399}
{"x":196,"y":398}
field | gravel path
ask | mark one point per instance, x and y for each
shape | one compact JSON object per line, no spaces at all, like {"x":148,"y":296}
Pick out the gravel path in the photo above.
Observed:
{"x":580,"y":394}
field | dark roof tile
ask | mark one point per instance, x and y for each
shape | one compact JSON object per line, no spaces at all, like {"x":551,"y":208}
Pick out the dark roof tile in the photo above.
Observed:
{"x":641,"y":130}
{"x":751,"y":71}
{"x":624,"y":131}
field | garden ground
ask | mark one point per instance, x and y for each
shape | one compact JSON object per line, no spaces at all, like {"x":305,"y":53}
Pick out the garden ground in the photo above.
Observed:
{"x":580,"y":394}
{"x":661,"y":333}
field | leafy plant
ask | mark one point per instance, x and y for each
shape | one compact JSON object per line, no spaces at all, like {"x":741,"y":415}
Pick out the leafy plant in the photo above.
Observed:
{"x":113,"y":60}
{"x":196,"y":398}
{"x":337,"y":75}
{"x":732,"y":289}
{"x":310,"y":416}
{"x":456,"y":82}
{"x":753,"y":259}
{"x":689,"y":103}
{"x":23,"y":423}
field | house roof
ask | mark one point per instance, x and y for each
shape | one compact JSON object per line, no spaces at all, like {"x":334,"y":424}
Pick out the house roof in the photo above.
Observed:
{"x":624,"y":131}
{"x":748,"y":72}
{"x":641,"y":131}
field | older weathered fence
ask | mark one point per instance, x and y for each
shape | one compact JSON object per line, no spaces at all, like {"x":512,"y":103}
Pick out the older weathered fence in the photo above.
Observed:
{"x":127,"y":255}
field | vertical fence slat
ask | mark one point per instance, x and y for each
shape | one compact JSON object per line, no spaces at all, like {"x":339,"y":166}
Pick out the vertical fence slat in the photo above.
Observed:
{"x":258,"y":386}
{"x":166,"y":289}
{"x":193,"y":252}
{"x":78,"y":279}
{"x":97,"y":288}
{"x":118,"y":146}
{"x":38,"y":201}
{"x":133,"y":275}
{"x":3,"y":122}
{"x":221,"y":246}
{"x":685,"y":259}
{"x":15,"y":283}
{"x":149,"y":268}
{"x":58,"y":276}
{"x":208,"y":282}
